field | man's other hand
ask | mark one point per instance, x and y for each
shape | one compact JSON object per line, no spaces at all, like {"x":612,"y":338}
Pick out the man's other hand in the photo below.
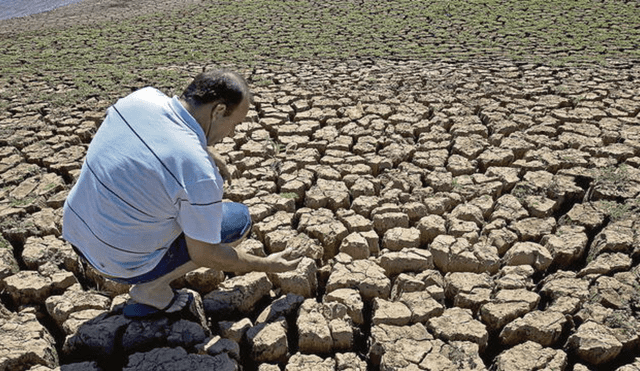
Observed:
{"x":221,"y":164}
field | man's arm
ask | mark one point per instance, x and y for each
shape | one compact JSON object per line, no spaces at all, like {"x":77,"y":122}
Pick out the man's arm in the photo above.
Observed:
{"x":220,"y":163}
{"x":225,"y":257}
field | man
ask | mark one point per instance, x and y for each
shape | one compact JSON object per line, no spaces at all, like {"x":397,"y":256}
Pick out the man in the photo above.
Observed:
{"x":147,"y":207}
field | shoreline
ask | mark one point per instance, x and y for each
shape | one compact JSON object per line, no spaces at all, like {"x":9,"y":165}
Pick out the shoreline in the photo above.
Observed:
{"x":87,"y":12}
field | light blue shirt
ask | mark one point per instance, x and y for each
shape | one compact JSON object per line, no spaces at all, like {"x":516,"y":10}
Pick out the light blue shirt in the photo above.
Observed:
{"x":147,"y":177}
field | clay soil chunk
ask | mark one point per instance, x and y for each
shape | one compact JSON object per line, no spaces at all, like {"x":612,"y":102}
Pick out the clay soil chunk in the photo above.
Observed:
{"x":507,"y":306}
{"x":367,"y":276}
{"x":542,"y":327}
{"x":594,"y":343}
{"x":452,"y":254}
{"x":268,"y":341}
{"x":301,"y":362}
{"x":178,"y":359}
{"x":31,"y":287}
{"x":407,"y":260}
{"x":74,"y":300}
{"x":26,"y":343}
{"x":240,"y":293}
{"x":531,"y":356}
{"x":457,"y":324}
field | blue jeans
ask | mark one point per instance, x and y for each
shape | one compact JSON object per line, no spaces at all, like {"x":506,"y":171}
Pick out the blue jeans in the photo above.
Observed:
{"x":236,"y":221}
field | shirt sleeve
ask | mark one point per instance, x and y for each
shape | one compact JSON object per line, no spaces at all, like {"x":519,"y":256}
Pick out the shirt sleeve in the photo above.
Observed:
{"x":200,"y":210}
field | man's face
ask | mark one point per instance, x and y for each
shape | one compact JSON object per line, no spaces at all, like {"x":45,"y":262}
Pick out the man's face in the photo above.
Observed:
{"x":223,"y":126}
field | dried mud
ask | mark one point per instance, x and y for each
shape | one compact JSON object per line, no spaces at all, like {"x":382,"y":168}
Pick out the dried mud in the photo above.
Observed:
{"x":453,"y":215}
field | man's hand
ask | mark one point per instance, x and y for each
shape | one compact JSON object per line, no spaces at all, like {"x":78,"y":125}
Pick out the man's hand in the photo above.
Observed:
{"x":226,"y":258}
{"x":221,"y":164}
{"x":281,"y":262}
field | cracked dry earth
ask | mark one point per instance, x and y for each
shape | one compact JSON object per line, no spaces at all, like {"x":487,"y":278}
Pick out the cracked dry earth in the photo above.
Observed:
{"x":453,"y":216}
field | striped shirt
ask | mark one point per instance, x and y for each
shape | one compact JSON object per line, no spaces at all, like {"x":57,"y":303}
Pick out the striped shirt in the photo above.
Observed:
{"x":147,"y":178}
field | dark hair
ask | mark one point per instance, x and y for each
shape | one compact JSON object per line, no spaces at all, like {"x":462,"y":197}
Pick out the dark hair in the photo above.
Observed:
{"x":217,"y":86}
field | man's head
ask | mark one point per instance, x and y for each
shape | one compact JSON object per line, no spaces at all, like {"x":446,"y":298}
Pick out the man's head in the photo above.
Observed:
{"x":218,"y":100}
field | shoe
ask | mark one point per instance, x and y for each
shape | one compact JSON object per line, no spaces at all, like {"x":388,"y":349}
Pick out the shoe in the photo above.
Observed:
{"x":141,"y":311}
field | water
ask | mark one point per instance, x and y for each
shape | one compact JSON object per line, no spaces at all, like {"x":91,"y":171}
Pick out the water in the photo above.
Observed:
{"x":21,"y":8}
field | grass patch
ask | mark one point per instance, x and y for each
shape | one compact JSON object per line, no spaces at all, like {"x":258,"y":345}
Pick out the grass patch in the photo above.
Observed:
{"x":110,"y":60}
{"x":289,"y":195}
{"x":4,"y":244}
{"x":22,"y":202}
{"x":614,"y":210}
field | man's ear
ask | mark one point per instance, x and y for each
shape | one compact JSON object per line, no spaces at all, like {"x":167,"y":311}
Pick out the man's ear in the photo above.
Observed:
{"x":218,"y":111}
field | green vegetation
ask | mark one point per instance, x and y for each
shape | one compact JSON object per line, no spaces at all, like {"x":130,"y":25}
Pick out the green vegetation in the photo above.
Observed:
{"x":613,"y":175}
{"x":22,"y":202}
{"x":263,"y":82}
{"x":4,"y":244}
{"x":50,"y":186}
{"x":454,"y":183}
{"x":289,"y":195}
{"x":612,"y":179}
{"x":111,"y":59}
{"x":523,"y":189}
{"x":622,"y":319}
{"x":617,"y":211}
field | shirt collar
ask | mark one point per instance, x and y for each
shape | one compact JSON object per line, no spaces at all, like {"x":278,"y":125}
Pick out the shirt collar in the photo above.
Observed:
{"x":191,"y":122}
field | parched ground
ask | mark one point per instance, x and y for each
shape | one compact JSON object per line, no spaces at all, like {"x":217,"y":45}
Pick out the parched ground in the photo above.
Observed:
{"x":477,"y":209}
